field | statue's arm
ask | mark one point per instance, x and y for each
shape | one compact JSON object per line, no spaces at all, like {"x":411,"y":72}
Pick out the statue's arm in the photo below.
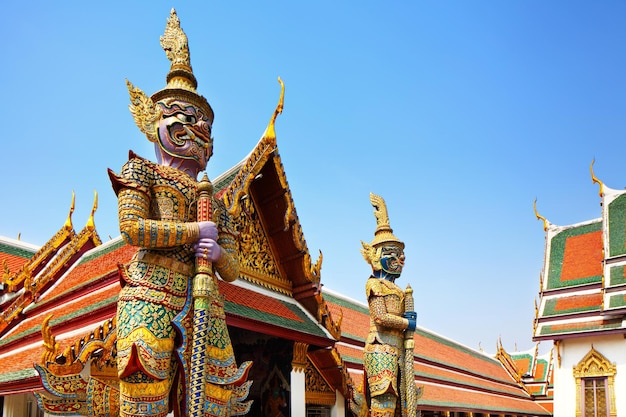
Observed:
{"x":132,"y":187}
{"x":139,"y":230}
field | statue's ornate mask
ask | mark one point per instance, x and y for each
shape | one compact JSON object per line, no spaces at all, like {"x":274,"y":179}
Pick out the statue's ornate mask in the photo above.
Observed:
{"x":184,"y":131}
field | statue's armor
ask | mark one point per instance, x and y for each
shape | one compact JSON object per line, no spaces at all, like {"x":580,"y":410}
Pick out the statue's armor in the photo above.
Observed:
{"x":157,"y":213}
{"x":385,"y":340}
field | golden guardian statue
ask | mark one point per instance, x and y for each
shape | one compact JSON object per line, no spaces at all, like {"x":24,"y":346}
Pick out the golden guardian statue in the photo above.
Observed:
{"x":388,"y":353}
{"x":173,"y":348}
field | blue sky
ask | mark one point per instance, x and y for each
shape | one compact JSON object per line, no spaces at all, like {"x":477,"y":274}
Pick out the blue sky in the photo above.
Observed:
{"x":459,"y":114}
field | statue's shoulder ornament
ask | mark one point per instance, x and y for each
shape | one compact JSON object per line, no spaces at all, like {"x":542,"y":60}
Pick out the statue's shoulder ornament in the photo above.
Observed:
{"x":137,"y":173}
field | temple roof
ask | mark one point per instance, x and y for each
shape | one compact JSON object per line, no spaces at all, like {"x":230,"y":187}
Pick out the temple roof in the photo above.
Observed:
{"x":454,"y":377}
{"x":583,"y":282}
{"x":537,"y":374}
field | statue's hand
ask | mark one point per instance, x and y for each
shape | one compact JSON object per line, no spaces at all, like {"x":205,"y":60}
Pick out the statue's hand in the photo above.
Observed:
{"x":411,"y":316}
{"x":207,"y":249}
{"x":208,"y":230}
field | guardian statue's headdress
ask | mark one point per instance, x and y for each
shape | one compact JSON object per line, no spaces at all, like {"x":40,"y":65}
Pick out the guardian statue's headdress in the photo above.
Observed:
{"x":383,"y":234}
{"x":181,"y":83}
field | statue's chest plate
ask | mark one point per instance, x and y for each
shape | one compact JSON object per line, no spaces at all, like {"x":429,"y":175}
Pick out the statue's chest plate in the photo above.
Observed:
{"x":173,"y":196}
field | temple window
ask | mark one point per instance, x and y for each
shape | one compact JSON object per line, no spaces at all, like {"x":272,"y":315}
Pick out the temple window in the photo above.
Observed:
{"x":595,"y":397}
{"x":595,"y":386}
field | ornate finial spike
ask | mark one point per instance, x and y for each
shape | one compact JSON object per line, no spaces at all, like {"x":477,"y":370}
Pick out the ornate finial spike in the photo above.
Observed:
{"x":383,"y":232}
{"x":270,"y":133}
{"x":50,"y":345}
{"x":91,"y":225}
{"x":174,"y":42}
{"x":595,"y":180}
{"x":380,"y":210}
{"x":540,"y":217}
{"x":68,"y":223}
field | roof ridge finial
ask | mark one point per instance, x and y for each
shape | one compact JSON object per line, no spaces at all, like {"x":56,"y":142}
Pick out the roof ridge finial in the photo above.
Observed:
{"x":68,"y":223}
{"x":270,"y":133}
{"x":595,"y":180}
{"x":91,"y":225}
{"x":540,"y":217}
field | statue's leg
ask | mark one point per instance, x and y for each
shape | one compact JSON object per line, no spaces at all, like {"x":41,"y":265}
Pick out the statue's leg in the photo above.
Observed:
{"x":383,"y":405}
{"x":145,"y":342}
{"x":142,"y":396}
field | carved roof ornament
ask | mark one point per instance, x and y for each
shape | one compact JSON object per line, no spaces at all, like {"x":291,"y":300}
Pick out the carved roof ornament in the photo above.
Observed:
{"x":595,"y":180}
{"x":270,"y":133}
{"x":540,"y":217}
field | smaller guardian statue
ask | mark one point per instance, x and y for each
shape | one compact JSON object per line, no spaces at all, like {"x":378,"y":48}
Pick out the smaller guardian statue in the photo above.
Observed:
{"x":384,"y":353}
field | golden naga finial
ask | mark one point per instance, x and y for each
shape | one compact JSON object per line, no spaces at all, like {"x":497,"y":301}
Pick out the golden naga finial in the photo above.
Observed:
{"x":68,"y":223}
{"x":316,"y":270}
{"x":540,"y":217}
{"x":270,"y":133}
{"x":50,"y":345}
{"x":6,"y":272}
{"x":91,"y":225}
{"x":595,"y":180}
{"x":145,"y":113}
{"x":383,"y":234}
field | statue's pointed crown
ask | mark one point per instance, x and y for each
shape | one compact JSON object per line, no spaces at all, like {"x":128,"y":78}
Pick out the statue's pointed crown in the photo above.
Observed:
{"x":181,"y":83}
{"x":383,"y":233}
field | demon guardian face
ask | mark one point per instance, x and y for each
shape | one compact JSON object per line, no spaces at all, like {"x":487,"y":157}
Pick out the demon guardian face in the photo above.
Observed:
{"x":184,"y":132}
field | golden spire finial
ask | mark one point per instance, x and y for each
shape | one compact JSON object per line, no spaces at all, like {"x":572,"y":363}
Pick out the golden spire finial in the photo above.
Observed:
{"x":68,"y":223}
{"x":540,"y":217}
{"x":595,"y":180}
{"x":174,"y":43}
{"x":91,"y":225}
{"x":270,"y":133}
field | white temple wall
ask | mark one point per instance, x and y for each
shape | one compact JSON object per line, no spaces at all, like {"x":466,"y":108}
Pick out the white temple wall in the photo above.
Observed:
{"x":572,"y":351}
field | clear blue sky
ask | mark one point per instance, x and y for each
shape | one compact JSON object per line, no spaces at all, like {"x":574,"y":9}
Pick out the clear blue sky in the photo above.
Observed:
{"x":459,"y":114}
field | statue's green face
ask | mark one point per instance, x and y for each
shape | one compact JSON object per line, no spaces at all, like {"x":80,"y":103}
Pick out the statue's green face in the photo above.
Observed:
{"x":392,"y":259}
{"x":185,"y":132}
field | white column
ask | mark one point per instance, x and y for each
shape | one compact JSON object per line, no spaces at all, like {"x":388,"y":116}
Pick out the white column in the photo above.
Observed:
{"x":298,"y":389}
{"x":339,"y":410}
{"x":15,"y":406}
{"x":298,"y":379}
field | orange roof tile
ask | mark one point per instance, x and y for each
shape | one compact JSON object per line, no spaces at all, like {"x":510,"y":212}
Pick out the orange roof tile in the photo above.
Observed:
{"x":583,"y":256}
